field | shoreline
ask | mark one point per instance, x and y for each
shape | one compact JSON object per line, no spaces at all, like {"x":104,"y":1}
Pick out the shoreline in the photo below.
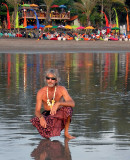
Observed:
{"x":31,"y":46}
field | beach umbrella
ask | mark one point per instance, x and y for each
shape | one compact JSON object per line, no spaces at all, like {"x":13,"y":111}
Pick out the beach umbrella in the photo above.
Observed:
{"x":21,"y":26}
{"x":30,"y":27}
{"x":35,"y":27}
{"x":33,"y":5}
{"x":54,"y":6}
{"x":68,"y":27}
{"x":106,"y":27}
{"x":42,"y":5}
{"x":80,"y":27}
{"x":89,"y":27}
{"x":41,"y":25}
{"x":115,"y":28}
{"x":54,"y":26}
{"x":74,"y":26}
{"x":48,"y":26}
{"x":62,"y":6}
{"x":25,"y":5}
{"x":61,"y":26}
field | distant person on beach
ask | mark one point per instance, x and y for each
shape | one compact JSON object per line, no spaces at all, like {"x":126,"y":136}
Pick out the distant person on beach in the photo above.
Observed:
{"x":58,"y":107}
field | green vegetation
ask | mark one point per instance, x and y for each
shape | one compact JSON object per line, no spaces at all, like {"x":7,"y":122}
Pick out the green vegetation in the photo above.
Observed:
{"x":88,"y":11}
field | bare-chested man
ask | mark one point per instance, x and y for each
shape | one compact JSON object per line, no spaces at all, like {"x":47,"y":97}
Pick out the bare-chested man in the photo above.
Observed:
{"x":57,"y":108}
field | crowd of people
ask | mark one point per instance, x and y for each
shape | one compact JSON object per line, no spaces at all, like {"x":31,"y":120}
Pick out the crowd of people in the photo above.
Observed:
{"x":83,"y":36}
{"x":68,"y":35}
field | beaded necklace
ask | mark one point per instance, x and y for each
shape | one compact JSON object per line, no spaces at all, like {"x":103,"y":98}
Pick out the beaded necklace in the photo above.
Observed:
{"x":51,"y":104}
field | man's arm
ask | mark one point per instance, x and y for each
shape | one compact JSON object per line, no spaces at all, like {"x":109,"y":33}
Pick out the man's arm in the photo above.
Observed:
{"x":38,"y":109}
{"x":68,"y":101}
{"x":38,"y":105}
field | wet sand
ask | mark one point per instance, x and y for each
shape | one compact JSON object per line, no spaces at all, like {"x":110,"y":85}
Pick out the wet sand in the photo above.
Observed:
{"x":23,"y":45}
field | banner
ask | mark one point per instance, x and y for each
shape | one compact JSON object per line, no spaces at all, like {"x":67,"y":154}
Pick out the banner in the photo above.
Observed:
{"x":17,"y":21}
{"x":117,"y":23}
{"x":38,"y":25}
{"x":25,"y":20}
{"x":107,"y":22}
{"x":8,"y":16}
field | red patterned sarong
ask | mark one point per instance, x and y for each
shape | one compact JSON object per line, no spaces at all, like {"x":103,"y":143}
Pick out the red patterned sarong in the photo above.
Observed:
{"x":55,"y":123}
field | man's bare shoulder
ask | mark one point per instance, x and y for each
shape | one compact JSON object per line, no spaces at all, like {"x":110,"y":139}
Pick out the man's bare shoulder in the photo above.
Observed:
{"x":61,"y":88}
{"x":41,"y":91}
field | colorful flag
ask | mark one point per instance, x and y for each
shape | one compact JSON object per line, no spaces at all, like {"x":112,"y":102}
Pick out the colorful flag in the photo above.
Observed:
{"x":117,"y":23}
{"x":17,"y":21}
{"x":25,"y":20}
{"x":8,"y":16}
{"x":38,"y":25}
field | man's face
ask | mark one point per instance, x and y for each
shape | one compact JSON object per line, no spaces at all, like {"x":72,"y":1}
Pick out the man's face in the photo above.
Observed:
{"x":51,"y":80}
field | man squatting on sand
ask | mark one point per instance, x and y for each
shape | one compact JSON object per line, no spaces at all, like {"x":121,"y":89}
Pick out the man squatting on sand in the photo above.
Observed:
{"x":58,"y":108}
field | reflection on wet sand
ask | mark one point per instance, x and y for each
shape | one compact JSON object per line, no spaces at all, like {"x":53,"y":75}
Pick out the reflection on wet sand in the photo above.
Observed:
{"x":51,"y":150}
{"x":98,"y":82}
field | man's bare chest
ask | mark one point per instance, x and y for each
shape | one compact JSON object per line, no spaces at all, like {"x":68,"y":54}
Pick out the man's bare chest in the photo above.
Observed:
{"x":50,"y":96}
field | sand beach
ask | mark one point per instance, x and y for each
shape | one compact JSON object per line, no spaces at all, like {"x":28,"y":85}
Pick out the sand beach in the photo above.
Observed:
{"x":25,"y":45}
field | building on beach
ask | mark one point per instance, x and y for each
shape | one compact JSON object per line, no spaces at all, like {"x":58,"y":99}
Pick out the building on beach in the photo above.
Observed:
{"x":57,"y":15}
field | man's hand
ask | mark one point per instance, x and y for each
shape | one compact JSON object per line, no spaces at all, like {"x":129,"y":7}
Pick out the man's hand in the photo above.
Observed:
{"x":54,"y":108}
{"x":43,"y":122}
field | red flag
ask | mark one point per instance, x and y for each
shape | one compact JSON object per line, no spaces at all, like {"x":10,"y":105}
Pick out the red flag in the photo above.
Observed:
{"x":8,"y":16}
{"x":25,"y":20}
{"x":107,"y":22}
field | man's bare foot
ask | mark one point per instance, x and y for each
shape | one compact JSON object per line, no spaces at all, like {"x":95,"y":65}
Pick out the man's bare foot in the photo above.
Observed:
{"x":67,"y":135}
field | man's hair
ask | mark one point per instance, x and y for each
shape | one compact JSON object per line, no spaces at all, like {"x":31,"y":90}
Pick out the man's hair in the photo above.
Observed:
{"x":55,"y":74}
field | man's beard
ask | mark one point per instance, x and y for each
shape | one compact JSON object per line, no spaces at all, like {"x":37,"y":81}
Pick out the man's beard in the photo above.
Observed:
{"x":51,"y":85}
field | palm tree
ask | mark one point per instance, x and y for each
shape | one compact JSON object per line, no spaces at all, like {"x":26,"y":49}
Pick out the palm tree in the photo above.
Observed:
{"x":87,"y":7}
{"x":108,"y":5}
{"x":48,"y":5}
{"x":14,"y":3}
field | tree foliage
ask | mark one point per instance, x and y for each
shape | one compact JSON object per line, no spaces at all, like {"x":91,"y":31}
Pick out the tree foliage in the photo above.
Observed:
{"x":48,"y":4}
{"x":86,"y":6}
{"x":87,"y":10}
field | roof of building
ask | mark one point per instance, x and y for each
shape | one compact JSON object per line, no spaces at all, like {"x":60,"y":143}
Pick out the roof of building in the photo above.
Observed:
{"x":73,"y":18}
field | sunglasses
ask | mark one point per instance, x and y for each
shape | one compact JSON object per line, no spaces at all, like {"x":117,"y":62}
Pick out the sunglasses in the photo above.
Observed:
{"x":52,"y":78}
